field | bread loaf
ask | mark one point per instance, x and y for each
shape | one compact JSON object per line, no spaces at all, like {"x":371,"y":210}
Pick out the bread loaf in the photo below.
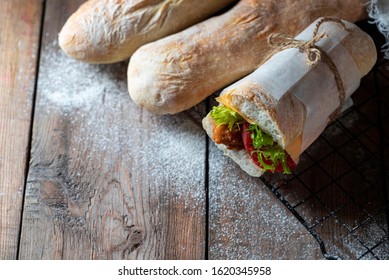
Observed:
{"x":106,"y":31}
{"x":177,"y":72}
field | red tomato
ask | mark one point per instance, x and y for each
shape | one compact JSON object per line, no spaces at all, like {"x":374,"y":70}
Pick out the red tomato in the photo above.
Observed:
{"x":248,"y":144}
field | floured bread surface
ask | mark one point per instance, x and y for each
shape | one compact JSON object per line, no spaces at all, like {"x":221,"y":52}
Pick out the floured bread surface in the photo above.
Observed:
{"x":241,"y":157}
{"x":107,"y":31}
{"x":177,"y":72}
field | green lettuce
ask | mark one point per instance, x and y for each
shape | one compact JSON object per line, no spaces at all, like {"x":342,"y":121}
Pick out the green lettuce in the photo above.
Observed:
{"x":265,"y":147}
{"x":225,"y":115}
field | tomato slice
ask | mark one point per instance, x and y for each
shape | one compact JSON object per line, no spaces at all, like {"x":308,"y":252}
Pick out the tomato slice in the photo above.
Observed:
{"x":248,"y":144}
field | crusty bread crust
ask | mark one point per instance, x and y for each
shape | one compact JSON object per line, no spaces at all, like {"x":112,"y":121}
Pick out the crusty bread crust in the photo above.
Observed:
{"x":280,"y":119}
{"x":107,"y":31}
{"x":361,"y":47}
{"x":177,"y":72}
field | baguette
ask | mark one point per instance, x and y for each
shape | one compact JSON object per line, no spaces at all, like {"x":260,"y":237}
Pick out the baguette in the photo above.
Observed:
{"x":285,"y":119}
{"x":107,"y":31}
{"x":177,"y":72}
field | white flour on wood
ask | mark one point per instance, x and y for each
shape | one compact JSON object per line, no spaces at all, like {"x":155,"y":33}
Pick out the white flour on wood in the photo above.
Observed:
{"x":251,"y":217}
{"x":163,"y":154}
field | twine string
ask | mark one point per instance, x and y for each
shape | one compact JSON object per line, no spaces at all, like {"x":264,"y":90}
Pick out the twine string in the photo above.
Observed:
{"x":313,"y":54}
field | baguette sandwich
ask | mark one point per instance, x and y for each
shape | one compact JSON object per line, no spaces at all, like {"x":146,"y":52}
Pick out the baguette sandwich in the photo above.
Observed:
{"x":266,"y":120}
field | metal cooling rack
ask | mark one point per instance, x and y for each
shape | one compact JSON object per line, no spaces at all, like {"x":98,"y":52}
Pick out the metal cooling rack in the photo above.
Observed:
{"x":339,"y":191}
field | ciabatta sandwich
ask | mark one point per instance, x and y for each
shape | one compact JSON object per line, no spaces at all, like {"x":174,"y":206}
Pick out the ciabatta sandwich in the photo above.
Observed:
{"x":266,"y":120}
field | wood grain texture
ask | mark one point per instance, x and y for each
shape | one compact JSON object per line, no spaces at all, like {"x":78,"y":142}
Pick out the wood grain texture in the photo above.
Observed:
{"x":108,"y":180}
{"x":19,"y":41}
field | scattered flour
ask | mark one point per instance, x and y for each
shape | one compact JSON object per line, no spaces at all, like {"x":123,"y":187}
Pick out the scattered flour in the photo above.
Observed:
{"x":100,"y":123}
{"x":68,"y":85}
{"x":255,"y":224}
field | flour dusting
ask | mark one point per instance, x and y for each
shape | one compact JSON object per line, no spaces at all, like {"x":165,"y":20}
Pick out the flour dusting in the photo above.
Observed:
{"x":70,"y":85}
{"x":252,"y":217}
{"x":165,"y":153}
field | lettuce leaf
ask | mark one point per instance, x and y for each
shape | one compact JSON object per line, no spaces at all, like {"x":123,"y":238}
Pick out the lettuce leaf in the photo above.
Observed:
{"x":260,"y":138}
{"x":275,"y":155}
{"x":225,"y":115}
{"x":266,"y":149}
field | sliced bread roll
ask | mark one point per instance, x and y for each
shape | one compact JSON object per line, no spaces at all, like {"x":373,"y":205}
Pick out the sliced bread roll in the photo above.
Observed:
{"x":285,"y":118}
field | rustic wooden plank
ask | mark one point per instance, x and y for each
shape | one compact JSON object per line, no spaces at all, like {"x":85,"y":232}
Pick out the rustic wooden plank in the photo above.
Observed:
{"x":247,"y":221}
{"x":19,"y":40}
{"x":108,"y":180}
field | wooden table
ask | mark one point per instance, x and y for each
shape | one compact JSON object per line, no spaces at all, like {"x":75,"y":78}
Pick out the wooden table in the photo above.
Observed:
{"x":85,"y":174}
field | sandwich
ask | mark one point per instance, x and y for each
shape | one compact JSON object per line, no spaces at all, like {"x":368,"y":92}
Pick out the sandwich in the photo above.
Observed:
{"x":266,"y":120}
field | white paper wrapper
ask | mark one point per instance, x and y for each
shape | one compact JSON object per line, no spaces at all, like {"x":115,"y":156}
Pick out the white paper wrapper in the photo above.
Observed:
{"x":315,"y":87}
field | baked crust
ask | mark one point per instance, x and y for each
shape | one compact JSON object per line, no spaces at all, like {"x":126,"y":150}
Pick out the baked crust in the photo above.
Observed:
{"x":177,"y":72}
{"x":107,"y":31}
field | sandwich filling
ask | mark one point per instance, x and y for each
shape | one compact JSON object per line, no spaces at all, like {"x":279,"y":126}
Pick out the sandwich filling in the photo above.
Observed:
{"x":233,"y":131}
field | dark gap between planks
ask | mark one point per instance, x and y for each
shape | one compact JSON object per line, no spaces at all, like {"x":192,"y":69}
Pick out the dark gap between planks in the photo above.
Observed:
{"x":34,"y":95}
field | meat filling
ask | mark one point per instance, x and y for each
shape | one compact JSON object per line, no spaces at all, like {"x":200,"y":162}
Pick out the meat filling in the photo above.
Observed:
{"x":230,"y":138}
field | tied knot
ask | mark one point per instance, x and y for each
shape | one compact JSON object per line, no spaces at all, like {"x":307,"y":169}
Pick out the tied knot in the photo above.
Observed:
{"x":313,"y":54}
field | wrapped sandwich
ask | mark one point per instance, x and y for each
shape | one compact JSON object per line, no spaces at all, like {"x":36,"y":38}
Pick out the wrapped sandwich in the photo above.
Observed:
{"x":266,"y":120}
